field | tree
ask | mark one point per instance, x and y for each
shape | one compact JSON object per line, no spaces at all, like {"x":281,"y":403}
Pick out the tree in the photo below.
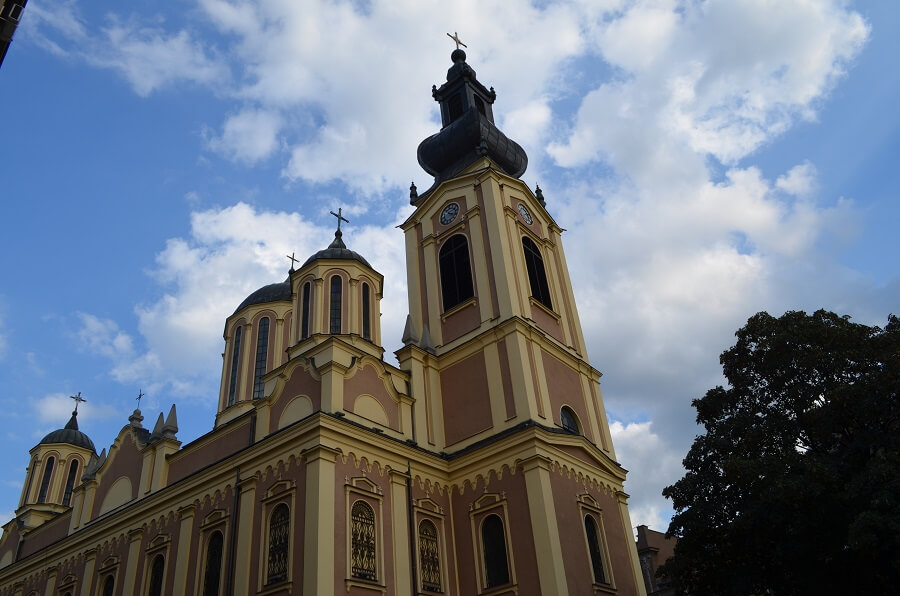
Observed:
{"x":794,"y":487}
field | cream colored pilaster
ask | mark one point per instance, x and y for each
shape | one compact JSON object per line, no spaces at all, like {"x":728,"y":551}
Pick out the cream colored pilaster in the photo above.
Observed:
{"x":482,"y":276}
{"x":146,"y":472}
{"x":400,"y":531}
{"x":244,"y":540}
{"x":433,"y":379}
{"x":279,"y":347}
{"x":186,"y":524}
{"x":412,"y":279}
{"x":50,"y":586}
{"x":248,"y":354}
{"x":129,"y":581}
{"x":77,"y":507}
{"x":90,"y":491}
{"x":434,"y":294}
{"x":319,"y":538}
{"x":161,"y":465}
{"x":332,"y":387}
{"x":592,"y":413}
{"x":570,"y":319}
{"x":520,"y":376}
{"x":87,"y":584}
{"x":597,"y":396}
{"x":353,"y":302}
{"x":545,"y":408}
{"x":495,"y":385}
{"x":498,"y":230}
{"x":421,"y":405}
{"x":316,"y":308}
{"x":637,"y":577}
{"x":542,"y":511}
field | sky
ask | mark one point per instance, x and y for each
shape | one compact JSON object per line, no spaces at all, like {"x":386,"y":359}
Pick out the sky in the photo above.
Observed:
{"x":708,"y":160}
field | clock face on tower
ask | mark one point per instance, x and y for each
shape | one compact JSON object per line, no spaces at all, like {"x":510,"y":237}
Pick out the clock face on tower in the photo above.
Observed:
{"x":523,"y":211}
{"x":449,"y":213}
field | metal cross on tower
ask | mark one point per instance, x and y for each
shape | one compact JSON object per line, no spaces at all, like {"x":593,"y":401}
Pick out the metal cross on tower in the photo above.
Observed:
{"x":293,"y":260}
{"x":78,"y":399}
{"x":455,"y":37}
{"x":140,"y":395}
{"x":340,"y":218}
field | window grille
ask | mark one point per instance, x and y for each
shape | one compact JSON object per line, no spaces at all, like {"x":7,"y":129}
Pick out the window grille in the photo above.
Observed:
{"x":70,"y":482}
{"x":45,"y":482}
{"x":335,"y":310}
{"x":213,"y":571}
{"x":262,"y":352}
{"x":593,"y":538}
{"x":156,"y":575}
{"x":456,"y":271}
{"x":493,"y":543}
{"x":429,"y":553}
{"x":279,"y":537}
{"x":537,"y":276}
{"x":235,"y":360}
{"x":362,"y":532}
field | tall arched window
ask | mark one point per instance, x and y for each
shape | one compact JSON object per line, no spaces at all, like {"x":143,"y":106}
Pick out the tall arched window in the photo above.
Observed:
{"x":279,"y":541}
{"x":156,"y":575}
{"x":537,"y":277}
{"x":363,"y":560}
{"x":235,"y":361}
{"x":304,"y":321}
{"x":366,"y":313}
{"x":45,"y":482}
{"x":70,"y":482}
{"x":594,"y":549}
{"x":429,"y":556}
{"x":213,"y":570}
{"x":456,"y":271}
{"x":262,"y":352}
{"x":335,"y":305}
{"x":493,"y":543}
{"x":568,"y":419}
{"x":109,"y":585}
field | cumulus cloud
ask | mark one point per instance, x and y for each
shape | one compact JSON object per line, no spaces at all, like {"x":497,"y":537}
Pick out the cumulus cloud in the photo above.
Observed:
{"x":54,"y":410}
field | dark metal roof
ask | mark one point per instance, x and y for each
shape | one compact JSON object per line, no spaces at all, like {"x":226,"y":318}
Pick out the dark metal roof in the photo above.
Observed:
{"x":70,"y":435}
{"x":270,"y":293}
{"x":337,"y":250}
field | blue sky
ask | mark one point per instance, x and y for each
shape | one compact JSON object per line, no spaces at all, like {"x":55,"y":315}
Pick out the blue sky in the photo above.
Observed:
{"x":709,"y":160}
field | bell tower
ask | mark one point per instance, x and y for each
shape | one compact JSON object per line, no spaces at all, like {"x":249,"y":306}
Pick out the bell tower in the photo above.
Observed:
{"x":493,"y":336}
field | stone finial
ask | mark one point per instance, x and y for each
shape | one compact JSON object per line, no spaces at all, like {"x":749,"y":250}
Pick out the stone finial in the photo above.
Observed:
{"x":170,"y":427}
{"x":409,"y":333}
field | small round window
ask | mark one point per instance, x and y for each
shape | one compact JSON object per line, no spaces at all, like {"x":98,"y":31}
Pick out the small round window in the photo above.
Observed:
{"x":568,"y":419}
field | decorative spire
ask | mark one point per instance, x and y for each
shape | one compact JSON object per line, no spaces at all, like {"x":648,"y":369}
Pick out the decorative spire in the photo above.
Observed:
{"x":539,"y":195}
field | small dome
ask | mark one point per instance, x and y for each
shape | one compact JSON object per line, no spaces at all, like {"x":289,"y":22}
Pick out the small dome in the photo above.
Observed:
{"x":270,"y":293}
{"x":70,"y":435}
{"x":337,"y":250}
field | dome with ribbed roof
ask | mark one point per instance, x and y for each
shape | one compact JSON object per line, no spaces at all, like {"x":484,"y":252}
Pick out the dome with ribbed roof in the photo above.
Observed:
{"x":70,"y":435}
{"x":337,"y":250}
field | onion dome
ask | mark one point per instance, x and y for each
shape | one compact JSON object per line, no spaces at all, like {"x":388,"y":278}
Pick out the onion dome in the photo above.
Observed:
{"x":70,"y":435}
{"x":468,"y":132}
{"x":271,"y":293}
{"x":337,"y":250}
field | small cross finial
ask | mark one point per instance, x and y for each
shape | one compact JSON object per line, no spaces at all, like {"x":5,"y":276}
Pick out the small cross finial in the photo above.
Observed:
{"x":455,"y":37}
{"x":140,"y":395}
{"x":340,"y":218}
{"x":293,"y":260}
{"x":78,"y":399}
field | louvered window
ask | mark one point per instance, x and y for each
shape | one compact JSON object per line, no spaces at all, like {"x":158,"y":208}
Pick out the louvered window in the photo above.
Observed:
{"x":430,"y":556}
{"x":362,"y":542}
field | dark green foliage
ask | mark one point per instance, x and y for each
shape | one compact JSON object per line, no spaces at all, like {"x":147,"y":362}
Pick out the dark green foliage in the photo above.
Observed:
{"x":794,"y":488}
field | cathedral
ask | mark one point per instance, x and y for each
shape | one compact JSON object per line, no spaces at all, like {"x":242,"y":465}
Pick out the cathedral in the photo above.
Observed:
{"x":480,"y":463}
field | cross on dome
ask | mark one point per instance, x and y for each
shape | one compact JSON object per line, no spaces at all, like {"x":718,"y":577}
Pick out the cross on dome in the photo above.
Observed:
{"x":455,"y":37}
{"x":78,"y":399}
{"x":340,"y":218}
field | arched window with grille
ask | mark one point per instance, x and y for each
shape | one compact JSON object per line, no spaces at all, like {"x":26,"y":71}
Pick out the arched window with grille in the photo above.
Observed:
{"x":456,"y":271}
{"x":157,"y":569}
{"x":569,"y":420}
{"x":493,"y":544}
{"x":334,"y":310}
{"x":363,"y":554}
{"x":262,"y":353}
{"x":594,"y":549}
{"x":70,"y":482}
{"x":279,"y":543}
{"x":212,"y":573}
{"x":235,"y":362}
{"x":429,"y":556}
{"x":537,"y":276}
{"x":304,"y":307}
{"x":45,"y":482}
{"x":366,"y":312}
{"x":109,"y":585}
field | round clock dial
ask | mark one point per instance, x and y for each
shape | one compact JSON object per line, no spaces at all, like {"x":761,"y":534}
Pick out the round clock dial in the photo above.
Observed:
{"x":523,"y":211}
{"x":449,"y":213}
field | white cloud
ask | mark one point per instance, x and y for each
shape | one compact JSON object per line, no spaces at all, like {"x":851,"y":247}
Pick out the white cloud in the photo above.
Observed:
{"x":249,"y":136}
{"x":54,"y":410}
{"x":800,"y":181}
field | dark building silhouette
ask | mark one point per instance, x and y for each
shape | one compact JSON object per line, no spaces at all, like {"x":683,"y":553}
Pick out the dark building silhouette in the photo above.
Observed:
{"x":10,"y":15}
